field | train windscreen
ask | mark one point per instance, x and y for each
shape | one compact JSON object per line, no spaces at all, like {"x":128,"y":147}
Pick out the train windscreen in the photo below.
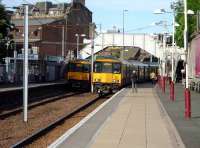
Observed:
{"x":117,"y":68}
{"x":107,"y":67}
{"x":86,"y":68}
{"x":78,"y":67}
{"x":75,"y":67}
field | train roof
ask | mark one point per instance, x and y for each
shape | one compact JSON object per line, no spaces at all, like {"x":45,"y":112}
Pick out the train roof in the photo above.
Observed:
{"x":110,"y":59}
{"x":80,"y":61}
{"x":135,"y":63}
{"x":138,"y":63}
{"x":127,"y":62}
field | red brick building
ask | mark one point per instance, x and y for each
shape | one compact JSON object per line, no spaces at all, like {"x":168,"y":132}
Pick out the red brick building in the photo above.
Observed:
{"x":52,"y":28}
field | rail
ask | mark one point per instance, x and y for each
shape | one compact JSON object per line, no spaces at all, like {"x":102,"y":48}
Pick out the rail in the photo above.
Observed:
{"x":53,"y":125}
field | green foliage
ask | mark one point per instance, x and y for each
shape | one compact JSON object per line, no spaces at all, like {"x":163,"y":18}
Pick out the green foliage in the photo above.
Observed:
{"x":3,"y":21}
{"x":4,"y":25}
{"x":192,"y":25}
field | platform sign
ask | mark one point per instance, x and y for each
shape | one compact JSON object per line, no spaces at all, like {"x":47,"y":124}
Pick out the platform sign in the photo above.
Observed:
{"x":197,"y":64}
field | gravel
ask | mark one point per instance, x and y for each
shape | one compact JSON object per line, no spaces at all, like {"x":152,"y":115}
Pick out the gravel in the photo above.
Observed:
{"x":13,"y":129}
{"x":50,"y":137}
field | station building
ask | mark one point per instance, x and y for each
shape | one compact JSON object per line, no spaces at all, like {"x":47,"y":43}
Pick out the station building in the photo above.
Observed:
{"x":52,"y":27}
{"x":52,"y":39}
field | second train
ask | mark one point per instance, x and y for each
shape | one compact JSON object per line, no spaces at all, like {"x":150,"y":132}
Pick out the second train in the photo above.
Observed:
{"x":109,"y":74}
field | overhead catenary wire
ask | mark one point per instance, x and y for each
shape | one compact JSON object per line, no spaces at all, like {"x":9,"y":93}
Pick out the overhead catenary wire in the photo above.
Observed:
{"x":140,"y":28}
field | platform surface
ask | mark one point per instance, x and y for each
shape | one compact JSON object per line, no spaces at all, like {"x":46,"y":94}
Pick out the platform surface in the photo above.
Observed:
{"x":7,"y":88}
{"x":189,"y":130}
{"x":138,"y":122}
{"x":128,"y":120}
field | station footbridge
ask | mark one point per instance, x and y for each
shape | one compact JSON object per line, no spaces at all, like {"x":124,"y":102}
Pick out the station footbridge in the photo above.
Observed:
{"x":146,"y":42}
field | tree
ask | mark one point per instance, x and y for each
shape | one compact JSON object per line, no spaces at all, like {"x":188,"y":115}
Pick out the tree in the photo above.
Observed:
{"x":193,"y":5}
{"x":4,"y":29}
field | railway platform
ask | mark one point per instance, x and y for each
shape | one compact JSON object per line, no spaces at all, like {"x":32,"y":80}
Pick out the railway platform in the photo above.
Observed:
{"x":127,"y":120}
{"x":8,"y":88}
{"x":189,"y":130}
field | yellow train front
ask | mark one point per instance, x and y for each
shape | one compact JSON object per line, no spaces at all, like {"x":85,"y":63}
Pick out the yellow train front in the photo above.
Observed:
{"x":107,"y":75}
{"x":78,"y":73}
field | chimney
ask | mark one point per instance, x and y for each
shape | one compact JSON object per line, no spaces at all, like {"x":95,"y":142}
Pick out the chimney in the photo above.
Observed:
{"x":79,"y":1}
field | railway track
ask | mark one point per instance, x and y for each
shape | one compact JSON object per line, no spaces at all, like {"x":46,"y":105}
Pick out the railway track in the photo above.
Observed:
{"x":41,"y":132}
{"x":44,"y":100}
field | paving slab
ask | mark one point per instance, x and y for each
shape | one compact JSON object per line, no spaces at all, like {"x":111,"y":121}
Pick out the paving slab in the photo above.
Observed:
{"x":7,"y":88}
{"x":128,"y":120}
{"x":189,"y":130}
{"x":144,"y":126}
{"x":83,"y":135}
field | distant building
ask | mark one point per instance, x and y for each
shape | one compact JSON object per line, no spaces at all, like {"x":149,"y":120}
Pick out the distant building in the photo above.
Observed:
{"x":52,"y":27}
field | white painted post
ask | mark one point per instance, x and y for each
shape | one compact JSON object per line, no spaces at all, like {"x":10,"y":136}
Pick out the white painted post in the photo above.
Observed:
{"x":164,"y":54}
{"x":15,"y":56}
{"x":123,"y":48}
{"x":173,"y":47}
{"x":186,"y":44}
{"x":77,"y":48}
{"x":122,"y":52}
{"x":102,"y":42}
{"x":25,"y":79}
{"x":63,"y":41}
{"x":92,"y":60}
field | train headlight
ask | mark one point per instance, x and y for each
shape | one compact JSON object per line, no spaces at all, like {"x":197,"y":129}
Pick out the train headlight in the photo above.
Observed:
{"x":114,"y":81}
{"x":97,"y":80}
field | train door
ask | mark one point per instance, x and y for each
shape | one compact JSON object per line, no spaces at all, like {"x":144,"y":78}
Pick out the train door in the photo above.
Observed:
{"x":138,"y":73}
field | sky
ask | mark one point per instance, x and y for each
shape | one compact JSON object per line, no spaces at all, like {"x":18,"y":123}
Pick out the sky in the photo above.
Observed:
{"x":109,"y":13}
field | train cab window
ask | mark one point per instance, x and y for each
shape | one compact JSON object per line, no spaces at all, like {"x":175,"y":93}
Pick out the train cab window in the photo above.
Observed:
{"x":97,"y":67}
{"x":86,"y":68}
{"x":103,"y":67}
{"x":107,"y":67}
{"x":116,"y":68}
{"x":74,"y":67}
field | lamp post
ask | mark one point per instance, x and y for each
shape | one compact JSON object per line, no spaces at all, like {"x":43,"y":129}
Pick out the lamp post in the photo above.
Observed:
{"x":187,"y":91}
{"x":77,"y":39}
{"x":174,"y":24}
{"x":25,"y":76}
{"x":92,"y":54}
{"x":63,"y":42}
{"x":163,"y":63}
{"x":172,"y":97}
{"x":122,"y":52}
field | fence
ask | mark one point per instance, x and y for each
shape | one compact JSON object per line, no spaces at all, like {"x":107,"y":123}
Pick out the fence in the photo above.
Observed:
{"x":38,"y":72}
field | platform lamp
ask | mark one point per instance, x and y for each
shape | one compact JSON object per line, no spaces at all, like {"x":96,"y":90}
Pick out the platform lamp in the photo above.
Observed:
{"x":77,"y":38}
{"x":122,"y":52}
{"x":165,"y":25}
{"x":187,"y":91}
{"x":174,"y":24}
